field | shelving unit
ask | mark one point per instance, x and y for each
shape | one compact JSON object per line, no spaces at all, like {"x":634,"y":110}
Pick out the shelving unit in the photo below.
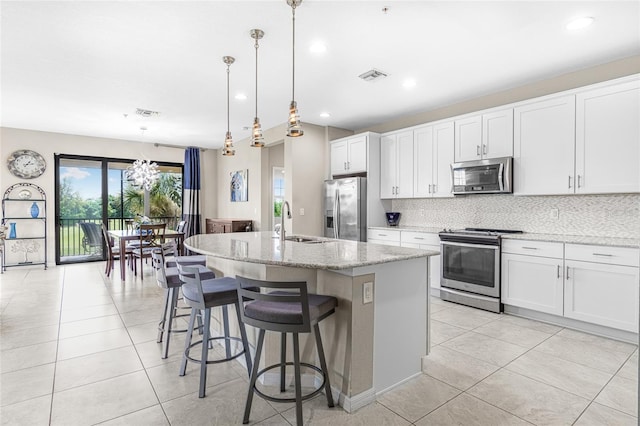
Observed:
{"x":24,"y":213}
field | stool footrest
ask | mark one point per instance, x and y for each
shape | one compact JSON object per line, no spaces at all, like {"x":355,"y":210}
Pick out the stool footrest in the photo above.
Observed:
{"x":215,"y":361}
{"x":304,"y":397}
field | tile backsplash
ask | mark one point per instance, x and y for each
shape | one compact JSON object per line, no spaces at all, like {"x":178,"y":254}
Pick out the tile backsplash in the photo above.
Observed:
{"x":596,"y":215}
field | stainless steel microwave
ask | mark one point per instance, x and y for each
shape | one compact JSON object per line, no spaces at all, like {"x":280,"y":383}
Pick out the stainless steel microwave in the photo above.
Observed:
{"x":492,"y":176}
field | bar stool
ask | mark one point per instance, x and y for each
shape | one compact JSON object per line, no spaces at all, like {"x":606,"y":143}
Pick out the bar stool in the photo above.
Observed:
{"x":202,"y":295}
{"x":169,"y":279}
{"x":172,"y":256}
{"x":285,"y":312}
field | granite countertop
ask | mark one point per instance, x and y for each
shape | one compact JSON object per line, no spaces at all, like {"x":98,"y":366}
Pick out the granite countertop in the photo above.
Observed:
{"x":265,"y":248}
{"x":577,"y":239}
{"x":560,"y":238}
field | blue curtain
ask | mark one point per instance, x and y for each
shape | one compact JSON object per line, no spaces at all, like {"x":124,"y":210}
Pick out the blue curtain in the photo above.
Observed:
{"x":191,"y":196}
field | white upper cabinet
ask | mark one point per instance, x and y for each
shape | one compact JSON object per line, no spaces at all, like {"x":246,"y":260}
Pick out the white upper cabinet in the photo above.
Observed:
{"x":433,"y":155}
{"x":349,"y":155}
{"x":483,"y":136}
{"x":608,"y":139}
{"x":543,"y":148}
{"x":396,"y":165}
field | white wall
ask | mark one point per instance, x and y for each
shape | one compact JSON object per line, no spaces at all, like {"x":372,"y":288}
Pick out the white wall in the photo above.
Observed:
{"x":47,"y":144}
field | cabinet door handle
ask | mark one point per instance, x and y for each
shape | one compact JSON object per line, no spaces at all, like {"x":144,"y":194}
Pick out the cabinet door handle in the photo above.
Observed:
{"x":382,"y":235}
{"x":477,"y":149}
{"x":434,"y":188}
{"x":348,"y":165}
{"x":393,"y":189}
{"x":397,"y":190}
{"x":567,"y":272}
{"x":579,"y":179}
{"x":484,"y":149}
{"x":603,"y":254}
{"x":418,"y":238}
{"x":558,"y":271}
{"x":530,"y":248}
{"x":429,"y":188}
{"x":345,"y":165}
{"x":569,"y":181}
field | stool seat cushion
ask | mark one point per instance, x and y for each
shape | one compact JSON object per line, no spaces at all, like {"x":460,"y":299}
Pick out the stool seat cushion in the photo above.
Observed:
{"x":173,"y":277}
{"x":186,"y":260}
{"x":289,"y":312}
{"x":217,"y":291}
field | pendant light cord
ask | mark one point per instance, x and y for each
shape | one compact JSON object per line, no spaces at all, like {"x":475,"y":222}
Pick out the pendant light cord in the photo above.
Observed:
{"x":256,"y":45}
{"x":228,"y":72}
{"x":293,"y":79}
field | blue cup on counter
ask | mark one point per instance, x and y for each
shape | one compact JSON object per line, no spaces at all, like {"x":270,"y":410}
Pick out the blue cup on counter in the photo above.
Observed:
{"x":393,"y":218}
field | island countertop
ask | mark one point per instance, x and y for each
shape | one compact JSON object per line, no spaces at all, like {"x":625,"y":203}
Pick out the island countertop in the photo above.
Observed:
{"x":324,"y":253}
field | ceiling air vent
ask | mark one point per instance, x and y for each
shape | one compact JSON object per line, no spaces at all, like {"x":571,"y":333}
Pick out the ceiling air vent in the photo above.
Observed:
{"x":147,"y":112}
{"x":373,"y":75}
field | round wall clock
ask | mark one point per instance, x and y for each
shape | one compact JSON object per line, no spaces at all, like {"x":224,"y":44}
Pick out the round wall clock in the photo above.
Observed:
{"x":26,"y":164}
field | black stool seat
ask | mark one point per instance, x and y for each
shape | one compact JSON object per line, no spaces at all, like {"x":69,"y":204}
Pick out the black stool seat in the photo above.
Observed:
{"x":290,"y":312}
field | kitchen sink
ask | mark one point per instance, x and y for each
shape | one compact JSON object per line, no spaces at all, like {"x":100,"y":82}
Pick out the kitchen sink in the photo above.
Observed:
{"x":299,"y":239}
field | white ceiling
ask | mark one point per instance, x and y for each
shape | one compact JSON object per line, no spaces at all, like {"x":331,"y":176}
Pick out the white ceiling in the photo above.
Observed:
{"x":78,"y":66}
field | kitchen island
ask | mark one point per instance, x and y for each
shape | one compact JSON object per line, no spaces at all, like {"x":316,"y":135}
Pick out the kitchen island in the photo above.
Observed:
{"x":377,"y":338}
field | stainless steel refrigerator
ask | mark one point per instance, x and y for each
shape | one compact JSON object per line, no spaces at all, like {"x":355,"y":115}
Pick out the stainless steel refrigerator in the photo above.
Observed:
{"x":345,"y":208}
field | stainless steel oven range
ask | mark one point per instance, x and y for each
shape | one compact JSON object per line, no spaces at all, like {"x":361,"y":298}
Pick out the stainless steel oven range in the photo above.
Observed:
{"x":470,"y":267}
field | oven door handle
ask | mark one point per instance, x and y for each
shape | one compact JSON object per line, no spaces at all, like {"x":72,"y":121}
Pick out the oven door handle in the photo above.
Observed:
{"x":473,"y":245}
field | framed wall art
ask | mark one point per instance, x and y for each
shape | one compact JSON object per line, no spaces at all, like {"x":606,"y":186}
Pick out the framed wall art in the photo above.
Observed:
{"x":240,"y":185}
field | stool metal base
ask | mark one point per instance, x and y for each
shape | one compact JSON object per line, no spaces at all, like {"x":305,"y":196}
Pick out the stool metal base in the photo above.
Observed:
{"x":214,"y":361}
{"x":304,"y":397}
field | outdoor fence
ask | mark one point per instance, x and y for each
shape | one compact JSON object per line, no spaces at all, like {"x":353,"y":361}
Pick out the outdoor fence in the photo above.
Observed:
{"x":74,"y":242}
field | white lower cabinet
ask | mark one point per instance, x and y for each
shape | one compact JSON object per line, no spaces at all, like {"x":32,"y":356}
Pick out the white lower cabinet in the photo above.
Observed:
{"x":602,"y":285}
{"x":389,"y":237}
{"x":594,"y":284}
{"x":425,"y":241}
{"x":532,"y":282}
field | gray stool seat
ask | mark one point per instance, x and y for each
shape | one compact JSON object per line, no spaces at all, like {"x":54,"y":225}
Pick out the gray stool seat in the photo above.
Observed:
{"x":292,"y":311}
{"x":289,"y":312}
{"x":187,"y":260}
{"x":173,"y":277}
{"x":216,"y":292}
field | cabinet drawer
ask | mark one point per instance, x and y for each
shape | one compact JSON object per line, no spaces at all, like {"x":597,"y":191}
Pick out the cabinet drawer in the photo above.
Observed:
{"x":420,"y":238}
{"x":533,"y":248}
{"x":603,"y":254}
{"x":385,"y":235}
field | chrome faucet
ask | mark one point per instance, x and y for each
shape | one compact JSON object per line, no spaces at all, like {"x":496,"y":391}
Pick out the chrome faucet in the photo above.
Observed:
{"x":284,"y":204}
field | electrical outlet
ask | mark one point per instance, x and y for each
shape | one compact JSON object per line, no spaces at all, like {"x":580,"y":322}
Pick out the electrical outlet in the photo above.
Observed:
{"x":554,"y":214}
{"x":367,"y":292}
{"x":302,"y":212}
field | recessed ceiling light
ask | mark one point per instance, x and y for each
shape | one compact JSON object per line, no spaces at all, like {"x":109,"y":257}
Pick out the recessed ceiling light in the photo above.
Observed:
{"x":325,"y":115}
{"x":241,"y":96}
{"x":579,"y":23}
{"x":409,"y":83}
{"x":318,"y":47}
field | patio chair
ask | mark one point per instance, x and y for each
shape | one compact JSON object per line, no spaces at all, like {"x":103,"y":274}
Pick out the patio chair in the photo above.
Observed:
{"x":92,"y":240}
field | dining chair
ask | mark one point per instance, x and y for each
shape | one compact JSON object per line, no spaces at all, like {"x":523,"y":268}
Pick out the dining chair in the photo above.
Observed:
{"x":113,"y":251}
{"x":151,"y":236}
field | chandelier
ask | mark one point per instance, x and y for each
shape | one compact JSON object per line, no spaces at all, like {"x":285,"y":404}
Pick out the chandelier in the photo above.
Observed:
{"x":143,"y":173}
{"x":294,"y":129}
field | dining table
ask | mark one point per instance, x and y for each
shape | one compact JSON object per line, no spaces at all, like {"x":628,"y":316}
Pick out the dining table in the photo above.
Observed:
{"x":124,"y":235}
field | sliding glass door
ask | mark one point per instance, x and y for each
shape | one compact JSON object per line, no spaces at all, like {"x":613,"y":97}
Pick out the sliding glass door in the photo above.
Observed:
{"x":93,"y":191}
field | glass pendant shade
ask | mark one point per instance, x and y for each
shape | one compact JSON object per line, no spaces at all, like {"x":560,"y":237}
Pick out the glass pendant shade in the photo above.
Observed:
{"x":228,"y":145}
{"x":143,"y":173}
{"x":257,"y":140}
{"x":293,"y":128}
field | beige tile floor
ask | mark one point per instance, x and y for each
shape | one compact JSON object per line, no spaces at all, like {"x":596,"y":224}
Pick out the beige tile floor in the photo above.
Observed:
{"x":77,"y":348}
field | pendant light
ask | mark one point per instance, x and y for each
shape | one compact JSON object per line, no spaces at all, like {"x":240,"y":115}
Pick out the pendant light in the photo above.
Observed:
{"x":228,"y":141}
{"x":294,"y":129}
{"x":257,"y":140}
